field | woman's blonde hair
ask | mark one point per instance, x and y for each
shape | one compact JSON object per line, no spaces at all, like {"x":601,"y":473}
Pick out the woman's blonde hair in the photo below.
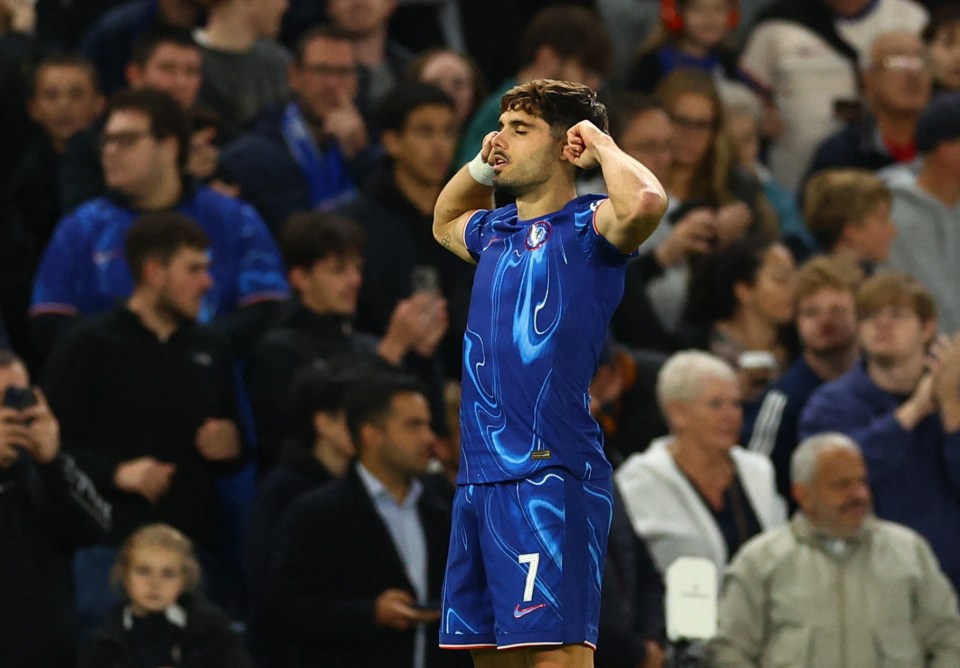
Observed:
{"x":157,"y":535}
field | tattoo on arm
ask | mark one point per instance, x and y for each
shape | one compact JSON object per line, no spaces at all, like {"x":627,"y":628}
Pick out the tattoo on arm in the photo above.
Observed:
{"x":447,"y":240}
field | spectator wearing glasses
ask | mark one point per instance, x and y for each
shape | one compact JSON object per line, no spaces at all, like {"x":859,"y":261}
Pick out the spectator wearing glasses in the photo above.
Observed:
{"x":314,"y":151}
{"x":897,"y":82}
{"x":144,"y":150}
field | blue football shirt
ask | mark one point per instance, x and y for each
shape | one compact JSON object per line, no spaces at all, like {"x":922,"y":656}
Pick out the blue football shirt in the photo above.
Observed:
{"x":543,"y":294}
{"x":84,"y":271}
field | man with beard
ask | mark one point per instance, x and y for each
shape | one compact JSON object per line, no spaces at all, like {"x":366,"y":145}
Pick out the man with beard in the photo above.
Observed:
{"x":835,"y":587}
{"x":143,"y":150}
{"x":903,"y":407}
{"x":533,"y":501}
{"x":146,"y":402}
{"x":826,"y":322}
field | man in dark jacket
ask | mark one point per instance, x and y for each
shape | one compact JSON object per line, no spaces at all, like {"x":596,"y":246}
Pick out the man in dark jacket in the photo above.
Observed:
{"x":147,"y":401}
{"x":359,"y":563}
{"x":48,"y":506}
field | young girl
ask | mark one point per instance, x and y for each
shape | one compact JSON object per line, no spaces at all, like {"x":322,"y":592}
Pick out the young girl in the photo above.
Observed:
{"x":163,"y":623}
{"x":693,"y":34}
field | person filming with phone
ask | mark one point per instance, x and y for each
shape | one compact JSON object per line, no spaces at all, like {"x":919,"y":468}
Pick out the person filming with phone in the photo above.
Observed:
{"x":48,"y":506}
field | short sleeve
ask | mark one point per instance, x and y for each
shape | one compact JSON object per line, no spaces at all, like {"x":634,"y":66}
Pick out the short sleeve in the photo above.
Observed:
{"x":475,"y":231}
{"x":605,"y":251}
{"x":260,"y":273}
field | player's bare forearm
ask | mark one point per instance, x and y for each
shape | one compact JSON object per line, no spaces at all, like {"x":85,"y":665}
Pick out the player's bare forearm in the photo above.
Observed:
{"x":637,"y":199}
{"x":461,"y":196}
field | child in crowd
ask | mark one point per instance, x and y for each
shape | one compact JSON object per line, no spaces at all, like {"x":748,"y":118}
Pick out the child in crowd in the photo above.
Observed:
{"x":693,"y":34}
{"x":163,"y":622}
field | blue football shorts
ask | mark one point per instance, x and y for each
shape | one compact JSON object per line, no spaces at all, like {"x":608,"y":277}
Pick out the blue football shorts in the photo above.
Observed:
{"x":526,"y":562}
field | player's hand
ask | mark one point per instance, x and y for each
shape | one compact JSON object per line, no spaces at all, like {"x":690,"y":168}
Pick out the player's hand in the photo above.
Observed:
{"x":394,"y":609}
{"x":218,"y":439}
{"x":486,"y":146}
{"x":580,"y":148}
{"x":145,"y":476}
{"x":346,"y":125}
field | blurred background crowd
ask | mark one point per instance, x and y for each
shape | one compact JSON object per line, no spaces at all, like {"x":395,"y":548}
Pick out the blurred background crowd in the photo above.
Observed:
{"x":230,"y":346}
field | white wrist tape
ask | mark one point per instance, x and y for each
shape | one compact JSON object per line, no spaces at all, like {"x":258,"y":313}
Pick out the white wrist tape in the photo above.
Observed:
{"x":480,"y":171}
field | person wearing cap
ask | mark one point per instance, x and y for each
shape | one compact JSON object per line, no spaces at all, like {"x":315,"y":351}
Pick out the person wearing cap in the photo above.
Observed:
{"x":836,"y":586}
{"x":926,"y":211}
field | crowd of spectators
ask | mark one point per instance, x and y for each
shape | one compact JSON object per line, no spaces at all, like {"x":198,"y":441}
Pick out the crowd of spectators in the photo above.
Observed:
{"x":230,"y":347}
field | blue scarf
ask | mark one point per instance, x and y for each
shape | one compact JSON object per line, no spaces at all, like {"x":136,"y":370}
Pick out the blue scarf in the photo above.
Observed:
{"x":326,"y":171}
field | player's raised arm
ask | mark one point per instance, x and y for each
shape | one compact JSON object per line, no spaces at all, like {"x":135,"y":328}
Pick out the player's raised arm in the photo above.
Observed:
{"x":470,"y":189}
{"x":637,"y":200}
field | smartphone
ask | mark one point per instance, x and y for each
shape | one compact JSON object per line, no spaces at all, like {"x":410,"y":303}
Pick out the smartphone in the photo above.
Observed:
{"x":19,"y":398}
{"x":425,"y":278}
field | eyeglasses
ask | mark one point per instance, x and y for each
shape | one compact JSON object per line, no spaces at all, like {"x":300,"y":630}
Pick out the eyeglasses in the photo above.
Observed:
{"x":693,"y":124}
{"x":903,"y":63}
{"x":124,"y":139}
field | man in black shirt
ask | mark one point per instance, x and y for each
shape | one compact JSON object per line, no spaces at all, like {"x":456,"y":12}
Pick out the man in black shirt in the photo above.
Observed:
{"x":48,"y":506}
{"x":145,"y":396}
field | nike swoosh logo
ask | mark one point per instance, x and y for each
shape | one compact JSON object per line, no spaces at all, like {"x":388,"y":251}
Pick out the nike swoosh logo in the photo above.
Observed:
{"x":519,"y":612}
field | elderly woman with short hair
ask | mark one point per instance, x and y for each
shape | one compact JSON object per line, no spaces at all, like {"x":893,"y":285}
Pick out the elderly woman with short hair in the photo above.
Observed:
{"x":696,"y":492}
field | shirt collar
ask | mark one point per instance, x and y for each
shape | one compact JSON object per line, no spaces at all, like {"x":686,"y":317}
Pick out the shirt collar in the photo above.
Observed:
{"x":175,"y":614}
{"x":378,"y":491}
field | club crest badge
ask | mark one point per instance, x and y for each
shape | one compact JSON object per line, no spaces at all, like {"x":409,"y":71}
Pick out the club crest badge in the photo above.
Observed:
{"x":538,"y":234}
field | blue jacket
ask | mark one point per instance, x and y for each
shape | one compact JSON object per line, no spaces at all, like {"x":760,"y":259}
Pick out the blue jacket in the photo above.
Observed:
{"x":83,"y":270}
{"x":914,"y":475}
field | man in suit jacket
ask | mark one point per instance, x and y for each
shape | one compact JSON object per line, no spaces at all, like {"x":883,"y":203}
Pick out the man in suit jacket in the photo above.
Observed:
{"x":356,"y":576}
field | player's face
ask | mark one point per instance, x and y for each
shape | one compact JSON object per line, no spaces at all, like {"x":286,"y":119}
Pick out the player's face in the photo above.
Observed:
{"x":134,"y":161}
{"x":423,"y":150}
{"x":183,"y":283}
{"x":173,"y":68}
{"x":837,"y":500}
{"x":154,"y":579}
{"x":945,"y":56}
{"x":452,"y":75}
{"x":827,"y":321}
{"x":649,"y":139}
{"x":327,"y":77}
{"x":771,"y":295}
{"x":524,"y":153}
{"x":694,"y":125}
{"x":895,"y":334}
{"x":706,"y":22}
{"x":711,"y":420}
{"x":332,"y":285}
{"x":871,"y":239}
{"x":407,"y":438}
{"x":65,"y":101}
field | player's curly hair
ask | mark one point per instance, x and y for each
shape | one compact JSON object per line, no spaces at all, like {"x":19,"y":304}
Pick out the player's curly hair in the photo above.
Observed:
{"x":561,"y":104}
